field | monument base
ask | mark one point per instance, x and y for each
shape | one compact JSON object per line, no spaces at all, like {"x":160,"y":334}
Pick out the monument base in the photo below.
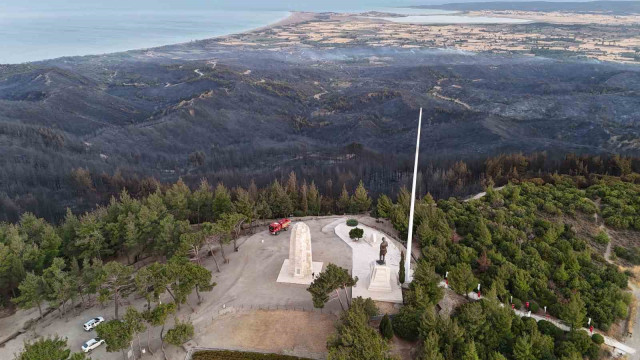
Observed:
{"x":286,"y":277}
{"x":380,"y":278}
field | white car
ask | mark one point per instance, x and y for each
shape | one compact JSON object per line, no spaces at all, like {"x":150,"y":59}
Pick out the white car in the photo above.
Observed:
{"x":92,"y":344}
{"x":93,"y":323}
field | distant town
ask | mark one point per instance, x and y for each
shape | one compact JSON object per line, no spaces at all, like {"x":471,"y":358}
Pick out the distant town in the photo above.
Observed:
{"x":603,"y":37}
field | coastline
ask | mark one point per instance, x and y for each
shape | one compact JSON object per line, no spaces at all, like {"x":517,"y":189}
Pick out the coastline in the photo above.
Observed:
{"x":291,"y":17}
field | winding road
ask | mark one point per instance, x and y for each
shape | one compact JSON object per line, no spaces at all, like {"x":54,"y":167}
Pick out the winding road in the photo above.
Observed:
{"x":632,"y":341}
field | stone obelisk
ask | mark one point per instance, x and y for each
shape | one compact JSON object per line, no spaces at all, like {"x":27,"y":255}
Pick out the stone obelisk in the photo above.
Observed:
{"x":299,"y":268}
{"x":300,"y":263}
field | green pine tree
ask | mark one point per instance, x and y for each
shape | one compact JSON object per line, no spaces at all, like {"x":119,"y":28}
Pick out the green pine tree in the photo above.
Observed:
{"x":401,"y":274}
{"x":386,"y":329}
{"x":344,"y":202}
{"x":50,"y":348}
{"x":461,"y":279}
{"x":384,"y":206}
{"x":180,"y":333}
{"x":117,"y":334}
{"x":360,"y":201}
{"x":314,"y":199}
{"x":221,"y":201}
{"x":469,"y":351}
{"x":32,"y":293}
{"x":430,"y":347}
{"x":574,"y":312}
{"x":522,"y":350}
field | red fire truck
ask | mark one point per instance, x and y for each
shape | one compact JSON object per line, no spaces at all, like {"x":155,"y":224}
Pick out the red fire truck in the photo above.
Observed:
{"x":280,"y":225}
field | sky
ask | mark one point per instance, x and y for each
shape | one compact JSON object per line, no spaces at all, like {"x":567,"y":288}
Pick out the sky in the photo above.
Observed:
{"x":44,"y":5}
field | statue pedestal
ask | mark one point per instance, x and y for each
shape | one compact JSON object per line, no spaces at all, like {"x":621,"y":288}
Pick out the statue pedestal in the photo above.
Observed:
{"x":380,"y":278}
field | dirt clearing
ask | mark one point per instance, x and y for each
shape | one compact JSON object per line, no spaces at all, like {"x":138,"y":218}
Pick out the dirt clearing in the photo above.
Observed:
{"x":299,"y":333}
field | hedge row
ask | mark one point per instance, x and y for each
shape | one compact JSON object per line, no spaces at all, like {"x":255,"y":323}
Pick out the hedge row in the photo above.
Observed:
{"x":238,"y":355}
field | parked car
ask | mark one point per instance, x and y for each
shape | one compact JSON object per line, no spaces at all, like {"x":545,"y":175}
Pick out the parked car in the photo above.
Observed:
{"x":92,"y":344}
{"x":93,"y":323}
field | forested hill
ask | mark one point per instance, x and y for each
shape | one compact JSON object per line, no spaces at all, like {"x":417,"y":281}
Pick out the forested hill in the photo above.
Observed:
{"x":75,"y":131}
{"x":532,"y":245}
{"x":534,"y":240}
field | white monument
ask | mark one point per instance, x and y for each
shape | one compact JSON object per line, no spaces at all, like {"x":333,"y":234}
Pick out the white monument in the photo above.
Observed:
{"x":380,"y":278}
{"x":372,"y":239}
{"x":299,"y":267}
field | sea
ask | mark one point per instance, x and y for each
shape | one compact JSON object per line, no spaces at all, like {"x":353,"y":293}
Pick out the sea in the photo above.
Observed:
{"x":32,"y":30}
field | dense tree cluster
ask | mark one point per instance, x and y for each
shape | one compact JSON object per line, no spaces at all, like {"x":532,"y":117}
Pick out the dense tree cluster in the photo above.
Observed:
{"x":514,"y":242}
{"x":49,"y":348}
{"x":45,"y":257}
{"x":78,"y":260}
{"x":486,"y":330}
{"x":620,"y":203}
{"x":354,"y":338}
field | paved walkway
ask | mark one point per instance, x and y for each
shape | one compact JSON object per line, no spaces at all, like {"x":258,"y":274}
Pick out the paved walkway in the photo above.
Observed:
{"x":363,"y":257}
{"x":634,"y":339}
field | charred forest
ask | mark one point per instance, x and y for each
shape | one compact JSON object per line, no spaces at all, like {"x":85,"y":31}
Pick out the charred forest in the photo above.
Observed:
{"x":76,"y":131}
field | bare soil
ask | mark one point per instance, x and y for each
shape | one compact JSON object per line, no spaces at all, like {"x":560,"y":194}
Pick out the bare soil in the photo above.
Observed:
{"x":286,"y":332}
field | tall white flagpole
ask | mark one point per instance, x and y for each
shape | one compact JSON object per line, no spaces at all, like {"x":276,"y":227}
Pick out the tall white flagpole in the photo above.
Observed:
{"x":407,"y":258}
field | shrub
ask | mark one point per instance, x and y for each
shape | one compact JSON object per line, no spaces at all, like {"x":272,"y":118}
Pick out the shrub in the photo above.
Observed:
{"x":580,"y":339}
{"x":547,"y":328}
{"x":352,"y":222}
{"x":367,"y":305}
{"x":602,"y":238}
{"x":386,"y":329}
{"x":181,"y":333}
{"x":406,"y":322}
{"x":598,"y":339}
{"x":517,"y":303}
{"x":534,"y":307}
{"x":632,"y":255}
{"x":356,"y":233}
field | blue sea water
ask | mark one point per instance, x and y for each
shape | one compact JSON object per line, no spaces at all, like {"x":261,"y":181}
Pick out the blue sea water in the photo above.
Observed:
{"x":33,"y":30}
{"x":33,"y":36}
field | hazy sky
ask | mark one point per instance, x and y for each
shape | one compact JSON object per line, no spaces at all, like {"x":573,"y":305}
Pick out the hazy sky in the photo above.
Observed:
{"x":44,"y":5}
{"x":191,"y":4}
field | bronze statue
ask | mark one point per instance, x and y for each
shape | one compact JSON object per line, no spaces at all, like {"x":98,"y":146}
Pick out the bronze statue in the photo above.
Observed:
{"x":383,"y":251}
